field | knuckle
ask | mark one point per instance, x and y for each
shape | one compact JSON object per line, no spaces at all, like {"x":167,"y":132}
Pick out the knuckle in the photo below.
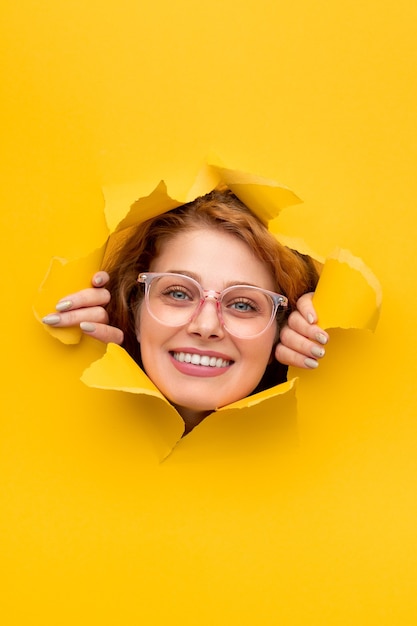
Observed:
{"x":106,"y":296}
{"x":102,"y":316}
{"x":293,"y":319}
{"x":113,"y":335}
{"x":284,"y":332}
{"x":70,"y":318}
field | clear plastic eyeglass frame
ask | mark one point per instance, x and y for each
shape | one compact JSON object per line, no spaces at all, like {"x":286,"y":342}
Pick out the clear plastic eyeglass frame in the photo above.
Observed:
{"x":277,"y":301}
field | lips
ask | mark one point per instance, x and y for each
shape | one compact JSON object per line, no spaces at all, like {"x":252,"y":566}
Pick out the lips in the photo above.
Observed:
{"x":205,"y":360}
{"x":202,"y":364}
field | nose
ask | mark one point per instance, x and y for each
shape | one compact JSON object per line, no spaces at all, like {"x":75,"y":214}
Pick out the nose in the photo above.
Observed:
{"x":206,"y":321}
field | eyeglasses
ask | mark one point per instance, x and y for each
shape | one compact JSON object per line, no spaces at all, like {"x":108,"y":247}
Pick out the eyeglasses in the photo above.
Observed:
{"x":244,"y":310}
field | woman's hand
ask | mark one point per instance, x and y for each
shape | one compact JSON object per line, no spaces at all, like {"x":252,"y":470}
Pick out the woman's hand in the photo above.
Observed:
{"x":85,"y":308}
{"x":301,"y":340}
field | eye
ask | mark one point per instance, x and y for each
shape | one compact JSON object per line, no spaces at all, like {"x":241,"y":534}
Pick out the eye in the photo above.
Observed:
{"x":243,"y":305}
{"x":178,"y":293}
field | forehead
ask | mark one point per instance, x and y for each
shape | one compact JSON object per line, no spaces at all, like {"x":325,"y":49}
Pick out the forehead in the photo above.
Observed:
{"x":216,"y":257}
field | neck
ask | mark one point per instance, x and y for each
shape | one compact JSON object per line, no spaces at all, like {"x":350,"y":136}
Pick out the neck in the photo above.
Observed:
{"x":191,"y":418}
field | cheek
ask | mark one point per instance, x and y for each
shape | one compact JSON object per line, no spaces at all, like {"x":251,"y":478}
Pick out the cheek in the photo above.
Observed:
{"x":151,"y":336}
{"x":273,"y":344}
{"x":261,"y":353}
{"x":272,"y":338}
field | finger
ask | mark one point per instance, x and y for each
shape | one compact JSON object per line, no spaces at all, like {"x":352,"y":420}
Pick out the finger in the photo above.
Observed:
{"x":306,"y":308}
{"x":85,"y":298}
{"x":285,"y":355}
{"x":73,"y":318}
{"x":298,"y":324}
{"x":103,"y":332}
{"x":297,"y":343}
{"x":100,"y":279}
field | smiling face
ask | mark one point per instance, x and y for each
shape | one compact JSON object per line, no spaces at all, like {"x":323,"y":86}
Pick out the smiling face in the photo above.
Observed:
{"x":200,"y":366}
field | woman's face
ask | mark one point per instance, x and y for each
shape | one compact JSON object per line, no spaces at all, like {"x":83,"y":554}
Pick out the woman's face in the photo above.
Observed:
{"x":216,"y":259}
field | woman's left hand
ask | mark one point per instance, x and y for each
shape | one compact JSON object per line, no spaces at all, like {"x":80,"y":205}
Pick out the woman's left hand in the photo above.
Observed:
{"x":302,"y":341}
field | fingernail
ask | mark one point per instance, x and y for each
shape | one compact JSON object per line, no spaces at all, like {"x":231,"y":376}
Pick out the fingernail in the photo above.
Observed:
{"x":321,"y":338}
{"x":318,"y":352}
{"x":50,"y":320}
{"x":88,"y":327}
{"x":64,"y":305}
{"x":310,"y":318}
{"x":98,"y":281}
{"x":311,"y":363}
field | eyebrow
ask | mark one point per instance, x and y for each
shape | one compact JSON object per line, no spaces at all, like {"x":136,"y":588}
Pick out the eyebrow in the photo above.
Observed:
{"x":198,"y":279}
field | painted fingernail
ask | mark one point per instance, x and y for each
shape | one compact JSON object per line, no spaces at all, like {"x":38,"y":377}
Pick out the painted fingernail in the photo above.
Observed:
{"x":311,"y":363}
{"x":318,"y":352}
{"x":51,"y":320}
{"x":88,"y":327}
{"x":321,"y":338}
{"x":310,"y":318}
{"x":64,"y":305}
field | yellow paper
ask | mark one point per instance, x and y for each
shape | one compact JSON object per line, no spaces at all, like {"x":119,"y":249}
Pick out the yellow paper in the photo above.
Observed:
{"x":116,"y":370}
{"x":265,"y":198}
{"x":65,"y":277}
{"x":234,"y":428}
{"x":94,"y":529}
{"x":117,"y":201}
{"x":348,"y":294}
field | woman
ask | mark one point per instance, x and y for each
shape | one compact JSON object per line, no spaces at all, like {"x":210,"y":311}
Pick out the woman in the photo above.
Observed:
{"x":201,"y":294}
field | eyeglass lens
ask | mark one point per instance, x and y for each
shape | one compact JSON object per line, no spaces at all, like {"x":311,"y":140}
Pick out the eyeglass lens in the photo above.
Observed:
{"x":245,"y":310}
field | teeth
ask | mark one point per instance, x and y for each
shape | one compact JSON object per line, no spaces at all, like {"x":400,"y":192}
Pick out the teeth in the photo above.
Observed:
{"x":197,"y":359}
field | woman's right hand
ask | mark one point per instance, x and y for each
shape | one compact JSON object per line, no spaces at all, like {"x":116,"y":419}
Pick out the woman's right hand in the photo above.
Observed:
{"x":86,"y":309}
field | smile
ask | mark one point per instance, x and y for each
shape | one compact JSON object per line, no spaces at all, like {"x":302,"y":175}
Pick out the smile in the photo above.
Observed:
{"x":200,"y":359}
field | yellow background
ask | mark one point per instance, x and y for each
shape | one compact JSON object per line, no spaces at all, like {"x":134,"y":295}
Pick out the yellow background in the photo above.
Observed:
{"x":320,"y":97}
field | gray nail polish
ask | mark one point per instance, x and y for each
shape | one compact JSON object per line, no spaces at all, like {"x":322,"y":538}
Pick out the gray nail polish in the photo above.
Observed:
{"x":318,"y":352}
{"x":311,"y":363}
{"x":321,"y":338}
{"x":51,"y":320}
{"x":64,"y":305}
{"x":88,"y":327}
